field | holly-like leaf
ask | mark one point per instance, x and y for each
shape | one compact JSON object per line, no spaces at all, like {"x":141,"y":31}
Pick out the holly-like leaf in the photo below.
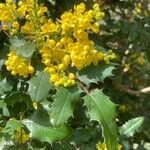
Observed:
{"x":15,"y":97}
{"x":129,"y":128}
{"x":93,"y":74}
{"x":63,"y":105}
{"x":39,"y":86}
{"x":44,"y":133}
{"x":43,"y":119}
{"x":5,"y":86}
{"x":2,"y":104}
{"x":11,"y":126}
{"x":4,"y":108}
{"x":22,"y":47}
{"x":101,"y":109}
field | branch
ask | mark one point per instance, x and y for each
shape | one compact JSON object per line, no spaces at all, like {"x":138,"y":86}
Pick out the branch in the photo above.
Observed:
{"x":84,"y":88}
{"x":126,"y":89}
{"x":145,"y":90}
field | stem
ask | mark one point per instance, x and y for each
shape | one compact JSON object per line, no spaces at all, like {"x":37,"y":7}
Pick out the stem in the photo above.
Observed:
{"x":84,"y":88}
{"x":2,"y":29}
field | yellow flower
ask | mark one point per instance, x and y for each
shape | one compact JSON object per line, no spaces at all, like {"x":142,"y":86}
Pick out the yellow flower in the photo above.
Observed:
{"x":49,"y":27}
{"x":95,"y":27}
{"x":71,"y":76}
{"x":18,"y":65}
{"x":35,"y":105}
{"x":80,"y":8}
{"x":15,"y":25}
{"x":21,"y":135}
{"x":102,"y":146}
{"x":54,"y":77}
{"x":7,"y":11}
{"x":79,"y":62}
{"x":62,"y":44}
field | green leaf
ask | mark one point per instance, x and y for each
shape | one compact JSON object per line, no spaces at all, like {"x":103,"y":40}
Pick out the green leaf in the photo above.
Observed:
{"x":63,"y":105}
{"x":46,"y":134}
{"x":22,"y":47}
{"x":13,"y":98}
{"x":101,"y":109}
{"x":3,"y":55}
{"x":6,"y":111}
{"x":4,"y":108}
{"x":5,"y":86}
{"x":2,"y":104}
{"x":129,"y":128}
{"x":11,"y":126}
{"x":39,"y":86}
{"x":83,"y":135}
{"x":93,"y":74}
{"x":43,"y":119}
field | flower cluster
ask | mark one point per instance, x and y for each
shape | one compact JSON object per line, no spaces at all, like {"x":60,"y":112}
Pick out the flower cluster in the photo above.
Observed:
{"x":29,"y":10}
{"x":18,"y":65}
{"x":72,"y":48}
{"x":21,"y":136}
{"x":102,"y":146}
{"x":6,"y":11}
{"x":64,"y":44}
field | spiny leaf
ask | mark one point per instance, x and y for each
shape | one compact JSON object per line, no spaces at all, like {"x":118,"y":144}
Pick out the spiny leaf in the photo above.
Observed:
{"x":11,"y":126}
{"x":44,"y":133}
{"x":4,"y":108}
{"x":2,"y":104}
{"x":18,"y":96}
{"x":43,"y":119}
{"x":63,"y":105}
{"x":93,"y":74}
{"x":101,"y":109}
{"x":129,"y":128}
{"x":39,"y":86}
{"x":22,"y":47}
{"x":5,"y":86}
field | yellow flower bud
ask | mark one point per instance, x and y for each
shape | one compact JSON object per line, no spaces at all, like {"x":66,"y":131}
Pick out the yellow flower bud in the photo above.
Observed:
{"x":71,"y":76}
{"x":61,"y":67}
{"x":54,"y":77}
{"x":80,"y":8}
{"x":15,"y":25}
{"x":95,"y":27}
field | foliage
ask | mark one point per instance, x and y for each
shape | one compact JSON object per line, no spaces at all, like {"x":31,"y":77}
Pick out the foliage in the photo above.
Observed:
{"x":130,"y":127}
{"x":103,"y":112}
{"x":71,"y":74}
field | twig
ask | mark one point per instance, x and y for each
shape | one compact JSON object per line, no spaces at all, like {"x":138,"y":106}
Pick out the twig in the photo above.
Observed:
{"x":2,"y":29}
{"x":126,"y":89}
{"x":145,"y":90}
{"x":83,"y":87}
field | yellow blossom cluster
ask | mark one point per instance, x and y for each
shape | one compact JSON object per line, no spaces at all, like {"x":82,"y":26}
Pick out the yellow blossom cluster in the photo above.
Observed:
{"x":64,"y":44}
{"x":6,"y":11}
{"x":137,"y":9}
{"x":102,"y":146}
{"x":141,"y":9}
{"x":34,"y":15}
{"x":18,"y":65}
{"x":27,"y":9}
{"x":81,"y":20}
{"x":72,"y":48}
{"x":21,"y":136}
